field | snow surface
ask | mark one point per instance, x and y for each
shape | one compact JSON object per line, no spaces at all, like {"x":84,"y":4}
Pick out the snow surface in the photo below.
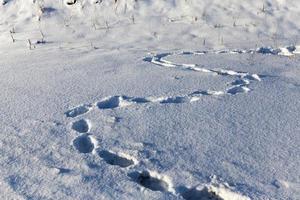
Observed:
{"x":149,"y":99}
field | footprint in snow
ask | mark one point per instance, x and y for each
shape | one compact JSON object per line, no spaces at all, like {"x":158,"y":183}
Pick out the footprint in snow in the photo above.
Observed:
{"x":85,"y":143}
{"x":174,"y":100}
{"x":238,"y":89}
{"x":140,"y":100}
{"x":109,"y":103}
{"x":82,"y":126}
{"x":241,"y":82}
{"x":120,"y":101}
{"x":198,"y":194}
{"x":79,"y":110}
{"x":121,"y":160}
{"x":152,"y":181}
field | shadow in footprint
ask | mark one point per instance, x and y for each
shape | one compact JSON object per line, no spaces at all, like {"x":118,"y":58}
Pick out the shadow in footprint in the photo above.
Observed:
{"x":240,"y":82}
{"x":84,"y":144}
{"x":196,"y":194}
{"x":140,"y":100}
{"x":81,"y":126}
{"x":237,"y":90}
{"x":147,"y":181}
{"x":110,"y":103}
{"x":78,"y":111}
{"x":114,"y":159}
{"x":207,"y":93}
{"x":174,"y":100}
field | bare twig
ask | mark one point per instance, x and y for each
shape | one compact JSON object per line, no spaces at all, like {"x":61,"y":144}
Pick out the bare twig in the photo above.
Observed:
{"x":30,"y":45}
{"x":12,"y":37}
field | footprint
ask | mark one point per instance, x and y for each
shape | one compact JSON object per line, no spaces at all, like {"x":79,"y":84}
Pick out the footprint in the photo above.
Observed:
{"x":238,"y":89}
{"x":210,"y":192}
{"x":207,"y":93}
{"x":79,"y":110}
{"x":174,"y":100}
{"x":253,"y":77}
{"x":267,"y":50}
{"x":85,"y":143}
{"x":109,"y":103}
{"x":140,"y":100}
{"x":241,"y":82}
{"x":82,"y":126}
{"x":151,"y":180}
{"x":114,"y":102}
{"x":196,"y":194}
{"x":225,"y":72}
{"x":115,"y":159}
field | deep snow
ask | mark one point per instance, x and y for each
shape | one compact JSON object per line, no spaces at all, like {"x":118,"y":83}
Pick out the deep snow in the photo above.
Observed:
{"x":178,"y":99}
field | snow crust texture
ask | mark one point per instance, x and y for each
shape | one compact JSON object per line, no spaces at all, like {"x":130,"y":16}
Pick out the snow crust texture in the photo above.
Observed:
{"x":151,"y":179}
{"x":149,"y":99}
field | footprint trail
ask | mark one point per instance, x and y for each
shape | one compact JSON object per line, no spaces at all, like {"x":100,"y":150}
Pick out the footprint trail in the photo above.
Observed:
{"x":241,"y":84}
{"x":115,"y":159}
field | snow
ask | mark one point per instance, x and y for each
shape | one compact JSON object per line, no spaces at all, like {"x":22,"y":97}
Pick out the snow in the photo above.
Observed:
{"x":148,"y":99}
